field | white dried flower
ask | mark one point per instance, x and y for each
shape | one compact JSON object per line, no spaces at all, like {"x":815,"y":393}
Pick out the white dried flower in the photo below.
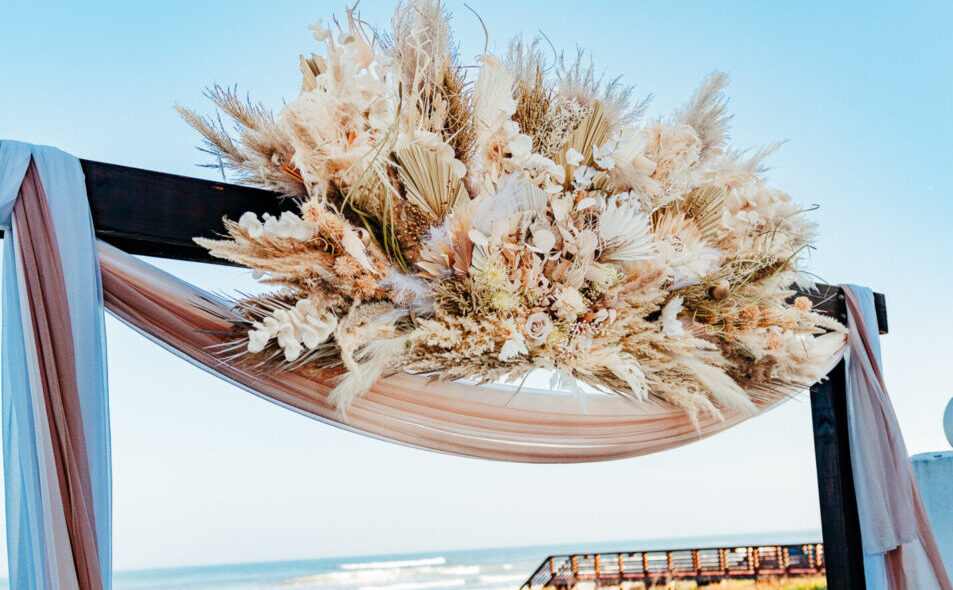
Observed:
{"x":569,"y":304}
{"x":671,"y":325}
{"x":520,"y":147}
{"x":582,"y":177}
{"x":513,"y":347}
{"x":258,"y":338}
{"x":478,"y":238}
{"x":573,"y":157}
{"x":288,"y":225}
{"x":544,"y":240}
{"x":585,"y":203}
{"x":250,"y":223}
{"x":603,"y":276}
{"x":294,"y":329}
{"x":560,"y":207}
{"x":603,"y":155}
{"x":291,"y":226}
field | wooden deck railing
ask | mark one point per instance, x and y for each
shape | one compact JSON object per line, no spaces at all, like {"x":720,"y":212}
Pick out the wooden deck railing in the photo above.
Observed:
{"x":656,"y":567}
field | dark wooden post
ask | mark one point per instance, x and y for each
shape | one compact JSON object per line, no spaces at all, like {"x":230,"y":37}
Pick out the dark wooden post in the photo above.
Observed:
{"x":158,"y":214}
{"x":843,"y":553}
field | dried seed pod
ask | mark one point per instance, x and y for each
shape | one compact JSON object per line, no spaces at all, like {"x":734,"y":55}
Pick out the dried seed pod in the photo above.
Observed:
{"x":721,"y":290}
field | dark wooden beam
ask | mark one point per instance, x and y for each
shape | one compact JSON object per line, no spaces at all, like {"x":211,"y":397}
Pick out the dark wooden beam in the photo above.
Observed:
{"x":158,"y":214}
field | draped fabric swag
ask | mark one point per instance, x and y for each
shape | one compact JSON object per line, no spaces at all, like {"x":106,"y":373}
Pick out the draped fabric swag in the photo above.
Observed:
{"x":489,"y":423}
{"x":55,"y":410}
{"x":900,"y":550}
{"x":55,"y":413}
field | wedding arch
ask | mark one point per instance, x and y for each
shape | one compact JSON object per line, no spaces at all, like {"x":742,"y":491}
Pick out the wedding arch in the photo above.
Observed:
{"x":56,"y":449}
{"x":429,"y":231}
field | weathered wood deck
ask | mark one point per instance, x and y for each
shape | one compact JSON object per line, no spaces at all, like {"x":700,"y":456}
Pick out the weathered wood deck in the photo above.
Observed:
{"x":659,"y":567}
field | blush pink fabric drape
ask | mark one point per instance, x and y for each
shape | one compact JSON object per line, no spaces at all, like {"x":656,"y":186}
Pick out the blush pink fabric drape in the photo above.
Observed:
{"x":532,"y":427}
{"x":67,"y":505}
{"x":901,"y":551}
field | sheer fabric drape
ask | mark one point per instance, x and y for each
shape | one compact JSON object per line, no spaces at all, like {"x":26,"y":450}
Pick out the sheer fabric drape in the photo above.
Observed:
{"x":55,"y":408}
{"x":900,"y":551}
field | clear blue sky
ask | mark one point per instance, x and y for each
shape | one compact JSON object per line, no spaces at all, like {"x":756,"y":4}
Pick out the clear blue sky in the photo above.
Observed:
{"x":205,"y":473}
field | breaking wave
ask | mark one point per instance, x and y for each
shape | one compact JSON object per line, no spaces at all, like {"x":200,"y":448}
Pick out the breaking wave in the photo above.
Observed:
{"x":376,"y":565}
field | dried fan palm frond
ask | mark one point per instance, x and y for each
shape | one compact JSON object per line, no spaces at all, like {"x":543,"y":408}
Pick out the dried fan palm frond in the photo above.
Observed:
{"x":311,"y":68}
{"x":448,"y":251}
{"x":493,"y":101}
{"x":493,"y":107}
{"x":705,"y":205}
{"x":684,"y":248}
{"x":430,"y":182}
{"x":625,"y":232}
{"x":592,"y":131}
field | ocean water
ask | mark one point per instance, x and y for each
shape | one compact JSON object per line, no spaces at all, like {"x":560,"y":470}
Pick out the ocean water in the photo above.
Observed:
{"x":487,"y":569}
{"x":504,"y":568}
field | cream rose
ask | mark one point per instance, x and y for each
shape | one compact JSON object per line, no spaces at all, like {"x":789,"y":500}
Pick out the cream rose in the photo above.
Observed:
{"x":538,"y":326}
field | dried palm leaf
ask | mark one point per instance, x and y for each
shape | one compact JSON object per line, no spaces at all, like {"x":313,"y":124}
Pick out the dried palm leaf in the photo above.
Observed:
{"x":430,"y":182}
{"x":705,"y":206}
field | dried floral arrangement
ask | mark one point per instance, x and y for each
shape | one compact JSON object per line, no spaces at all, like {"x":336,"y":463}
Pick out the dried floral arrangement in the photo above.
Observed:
{"x":480,"y":222}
